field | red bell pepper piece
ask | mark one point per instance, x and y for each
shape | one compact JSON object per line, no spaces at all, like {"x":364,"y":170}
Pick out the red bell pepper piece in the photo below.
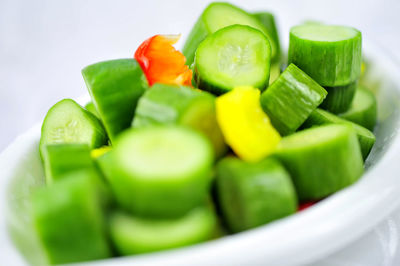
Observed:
{"x":305,"y":205}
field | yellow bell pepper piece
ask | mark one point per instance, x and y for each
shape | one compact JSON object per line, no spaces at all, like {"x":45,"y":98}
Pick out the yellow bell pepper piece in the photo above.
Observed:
{"x":96,"y":153}
{"x":245,"y":126}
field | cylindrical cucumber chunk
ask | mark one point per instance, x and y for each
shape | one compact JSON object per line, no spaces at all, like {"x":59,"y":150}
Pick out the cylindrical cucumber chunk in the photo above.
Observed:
{"x":217,"y":16}
{"x":168,"y":104}
{"x":115,"y":87}
{"x":68,"y":122}
{"x":69,"y":221}
{"x":331,"y":55}
{"x":253,"y":194}
{"x":161,"y":171}
{"x":339,"y":98}
{"x":363,"y":109}
{"x":233,"y":56}
{"x":91,"y":108}
{"x":135,"y":235}
{"x":268,"y":20}
{"x":321,"y":160}
{"x":291,"y":99}
{"x":365,"y":137}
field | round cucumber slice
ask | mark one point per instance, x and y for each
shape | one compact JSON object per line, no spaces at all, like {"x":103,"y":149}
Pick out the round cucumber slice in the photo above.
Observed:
{"x":268,"y":20}
{"x":363,"y":109}
{"x":339,"y":98}
{"x":68,"y":122}
{"x":365,"y":137}
{"x":217,"y":16}
{"x":167,"y":104}
{"x":253,"y":194}
{"x":331,"y":55}
{"x":321,"y":160}
{"x":135,"y":235}
{"x":233,"y":56}
{"x":161,"y":171}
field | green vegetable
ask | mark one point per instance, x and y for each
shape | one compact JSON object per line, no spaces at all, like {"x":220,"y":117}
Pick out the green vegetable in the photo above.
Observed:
{"x":135,"y":235}
{"x":331,"y":55}
{"x":252,"y":194}
{"x":69,"y":221}
{"x":161,"y":171}
{"x":167,"y":104}
{"x":215,"y":17}
{"x":339,"y":98}
{"x":365,"y":137}
{"x":68,"y":122}
{"x":91,"y":108}
{"x":268,"y":20}
{"x":363,"y":109}
{"x":321,"y":160}
{"x":115,"y":87}
{"x":291,"y":99}
{"x":233,"y":56}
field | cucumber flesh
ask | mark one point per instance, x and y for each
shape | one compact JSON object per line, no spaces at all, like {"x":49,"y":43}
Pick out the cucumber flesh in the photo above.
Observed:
{"x":291,"y":99}
{"x":321,"y":160}
{"x":365,"y":137}
{"x":68,"y":122}
{"x":215,"y":17}
{"x":363,"y":109}
{"x":115,"y":87}
{"x":233,"y":56}
{"x":179,"y":105}
{"x":268,"y":20}
{"x":91,"y":108}
{"x":339,"y":98}
{"x":69,"y":221}
{"x":161,"y":171}
{"x":253,"y":194}
{"x":135,"y":235}
{"x":335,"y":50}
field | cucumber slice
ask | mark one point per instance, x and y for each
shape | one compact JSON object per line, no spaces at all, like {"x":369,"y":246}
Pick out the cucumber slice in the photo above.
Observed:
{"x":339,"y":98}
{"x":363,"y":109}
{"x":115,"y":87}
{"x":135,"y":235}
{"x":161,"y":171}
{"x":68,"y":122}
{"x":233,"y":56}
{"x":252,"y":194}
{"x":69,"y":221}
{"x":331,"y":55}
{"x":268,"y":20}
{"x":179,"y":105}
{"x":60,"y":159}
{"x":215,"y":17}
{"x":365,"y":137}
{"x":291,"y":99}
{"x":321,"y":160}
{"x":91,"y":108}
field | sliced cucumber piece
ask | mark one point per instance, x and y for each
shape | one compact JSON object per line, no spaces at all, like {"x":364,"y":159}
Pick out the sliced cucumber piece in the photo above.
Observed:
{"x":68,"y":122}
{"x":60,"y":159}
{"x":69,"y":221}
{"x":168,"y":104}
{"x":339,"y":98}
{"x":252,"y":194}
{"x":233,"y":56}
{"x":365,"y":137}
{"x":363,"y":109}
{"x":91,"y":108}
{"x":161,"y":171}
{"x":291,"y":99}
{"x":135,"y":235}
{"x":115,"y":87}
{"x":321,"y":160}
{"x":215,"y":17}
{"x":268,"y":20}
{"x":331,"y":55}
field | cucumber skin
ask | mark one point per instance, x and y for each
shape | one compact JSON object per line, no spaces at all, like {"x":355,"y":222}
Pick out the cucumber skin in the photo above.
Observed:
{"x":339,"y":98}
{"x":268,"y":20}
{"x":91,"y":108}
{"x":281,"y":100}
{"x":115,"y":87}
{"x":366,"y":118}
{"x":325,"y":66}
{"x":365,"y":137}
{"x":322,"y":170}
{"x":253,"y":194}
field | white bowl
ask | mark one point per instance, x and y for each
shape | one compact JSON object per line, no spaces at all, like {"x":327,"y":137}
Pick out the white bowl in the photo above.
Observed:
{"x":295,"y":240}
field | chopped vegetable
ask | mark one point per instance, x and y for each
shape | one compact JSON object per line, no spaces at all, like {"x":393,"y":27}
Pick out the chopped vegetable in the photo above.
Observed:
{"x":268,"y":21}
{"x":91,"y":108}
{"x":339,"y":98}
